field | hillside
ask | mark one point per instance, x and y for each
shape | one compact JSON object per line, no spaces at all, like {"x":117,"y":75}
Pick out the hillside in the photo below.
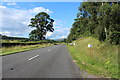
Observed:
{"x":101,"y":59}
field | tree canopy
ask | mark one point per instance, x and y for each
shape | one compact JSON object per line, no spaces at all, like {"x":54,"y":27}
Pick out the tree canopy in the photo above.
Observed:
{"x":99,"y":20}
{"x":43,"y":23}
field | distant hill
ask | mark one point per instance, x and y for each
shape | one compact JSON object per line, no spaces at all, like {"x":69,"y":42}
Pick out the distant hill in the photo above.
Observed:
{"x":61,"y":40}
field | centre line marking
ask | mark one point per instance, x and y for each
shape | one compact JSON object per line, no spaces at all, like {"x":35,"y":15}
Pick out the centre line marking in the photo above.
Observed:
{"x":49,"y":50}
{"x":33,"y":57}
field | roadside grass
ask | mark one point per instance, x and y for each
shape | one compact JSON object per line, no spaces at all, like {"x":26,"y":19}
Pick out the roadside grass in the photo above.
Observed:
{"x":101,"y":59}
{"x":15,"y":49}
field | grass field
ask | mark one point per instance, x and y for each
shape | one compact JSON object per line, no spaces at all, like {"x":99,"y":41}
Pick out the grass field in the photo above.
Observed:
{"x":15,"y":49}
{"x":101,"y":59}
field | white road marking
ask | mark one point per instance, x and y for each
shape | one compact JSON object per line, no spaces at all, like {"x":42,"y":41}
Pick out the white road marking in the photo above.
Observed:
{"x":33,"y":57}
{"x":49,"y":50}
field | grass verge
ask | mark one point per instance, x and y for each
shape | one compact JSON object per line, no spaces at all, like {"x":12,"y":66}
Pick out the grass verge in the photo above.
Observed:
{"x":101,"y":59}
{"x":15,"y":49}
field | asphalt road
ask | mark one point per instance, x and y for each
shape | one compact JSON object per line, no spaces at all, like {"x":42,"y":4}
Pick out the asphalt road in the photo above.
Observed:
{"x":49,"y":62}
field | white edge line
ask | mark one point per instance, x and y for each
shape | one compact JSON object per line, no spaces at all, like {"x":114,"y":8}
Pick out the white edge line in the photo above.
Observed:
{"x":33,"y":57}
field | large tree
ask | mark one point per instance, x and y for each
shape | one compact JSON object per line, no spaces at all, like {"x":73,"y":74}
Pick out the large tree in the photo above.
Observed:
{"x":43,"y":23}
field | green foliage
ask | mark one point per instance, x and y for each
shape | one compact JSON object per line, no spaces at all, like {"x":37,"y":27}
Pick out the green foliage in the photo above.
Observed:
{"x":43,"y":23}
{"x":101,"y":59}
{"x":11,"y":44}
{"x":8,"y":38}
{"x":100,"y":20}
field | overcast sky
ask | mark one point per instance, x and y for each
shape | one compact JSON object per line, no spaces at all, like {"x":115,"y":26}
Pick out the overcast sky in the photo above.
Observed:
{"x":16,"y":17}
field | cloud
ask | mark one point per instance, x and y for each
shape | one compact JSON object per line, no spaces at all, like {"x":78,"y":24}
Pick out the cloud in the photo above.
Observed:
{"x":5,"y":33}
{"x":38,"y":9}
{"x":63,"y":37}
{"x":49,"y":34}
{"x":60,"y":31}
{"x":11,"y":3}
{"x":2,"y":7}
{"x":15,"y":22}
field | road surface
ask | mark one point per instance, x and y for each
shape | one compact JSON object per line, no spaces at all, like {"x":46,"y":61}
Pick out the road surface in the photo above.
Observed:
{"x":49,"y":62}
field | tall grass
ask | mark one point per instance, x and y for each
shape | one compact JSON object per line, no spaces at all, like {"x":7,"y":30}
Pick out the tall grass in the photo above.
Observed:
{"x":15,"y":49}
{"x":101,"y":59}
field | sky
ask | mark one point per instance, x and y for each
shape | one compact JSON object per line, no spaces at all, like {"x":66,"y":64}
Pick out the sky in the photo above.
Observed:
{"x":15,"y":17}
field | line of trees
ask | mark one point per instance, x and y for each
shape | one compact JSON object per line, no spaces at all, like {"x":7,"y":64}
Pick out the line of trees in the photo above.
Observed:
{"x":4,"y":37}
{"x":99,"y":20}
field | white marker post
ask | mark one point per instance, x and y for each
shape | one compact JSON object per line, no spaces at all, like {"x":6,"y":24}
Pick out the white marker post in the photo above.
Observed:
{"x":74,"y":44}
{"x":89,"y":45}
{"x":90,"y":48}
